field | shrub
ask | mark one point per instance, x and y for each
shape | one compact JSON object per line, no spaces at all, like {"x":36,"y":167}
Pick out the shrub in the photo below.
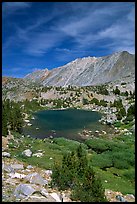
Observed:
{"x":116,"y":91}
{"x":103,"y":160}
{"x":85,"y":101}
{"x":119,"y":116}
{"x":129,"y":174}
{"x":131,"y":110}
{"x":98,"y":146}
{"x":120,"y":164}
{"x":95,"y":100}
{"x":122,"y":112}
{"x":122,"y":158}
{"x":129,"y":118}
{"x":103,"y":103}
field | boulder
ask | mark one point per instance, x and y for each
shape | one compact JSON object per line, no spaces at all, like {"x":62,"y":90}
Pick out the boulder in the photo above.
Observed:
{"x":36,"y":179}
{"x":17,"y":175}
{"x":48,"y":172}
{"x":17,"y":166}
{"x":120,"y":198}
{"x":27,"y":153}
{"x":44,"y":192}
{"x":130,"y":197}
{"x":7,"y":168}
{"x":56,"y":197}
{"x":29,"y":167}
{"x":23,"y":190}
{"x":38,"y":198}
{"x":6,"y":154}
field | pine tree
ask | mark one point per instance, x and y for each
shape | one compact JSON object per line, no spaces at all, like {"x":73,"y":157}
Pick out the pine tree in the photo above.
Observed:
{"x":11,"y":116}
{"x":76,"y":174}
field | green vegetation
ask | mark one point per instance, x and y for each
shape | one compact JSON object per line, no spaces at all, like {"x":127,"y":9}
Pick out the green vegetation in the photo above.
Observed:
{"x":124,"y":93}
{"x":131,"y":110}
{"x":75,"y":173}
{"x":102,"y":90}
{"x":121,"y":112}
{"x":85,"y":101}
{"x":12,"y":117}
{"x":95,"y":101}
{"x":103,"y":103}
{"x":116,"y":91}
{"x":111,"y":160}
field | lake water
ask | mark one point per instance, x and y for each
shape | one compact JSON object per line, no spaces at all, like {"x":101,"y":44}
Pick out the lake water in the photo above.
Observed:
{"x":62,"y":123}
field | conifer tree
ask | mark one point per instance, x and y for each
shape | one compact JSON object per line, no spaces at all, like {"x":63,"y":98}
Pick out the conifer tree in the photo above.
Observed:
{"x":76,"y":174}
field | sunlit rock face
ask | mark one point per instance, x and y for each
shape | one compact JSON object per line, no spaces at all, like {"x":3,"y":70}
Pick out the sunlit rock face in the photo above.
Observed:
{"x":88,"y":71}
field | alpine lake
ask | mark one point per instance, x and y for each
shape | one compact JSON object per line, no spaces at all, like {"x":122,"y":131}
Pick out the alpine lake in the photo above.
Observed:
{"x":67,"y":123}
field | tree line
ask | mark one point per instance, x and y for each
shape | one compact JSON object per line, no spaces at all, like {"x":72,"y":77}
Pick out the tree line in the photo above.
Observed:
{"x":12,"y":118}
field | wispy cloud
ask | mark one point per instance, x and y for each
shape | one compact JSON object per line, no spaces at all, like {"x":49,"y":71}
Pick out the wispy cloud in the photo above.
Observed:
{"x":68,"y":30}
{"x":43,"y":42}
{"x":96,"y":24}
{"x":36,"y":38}
{"x":9,"y":8}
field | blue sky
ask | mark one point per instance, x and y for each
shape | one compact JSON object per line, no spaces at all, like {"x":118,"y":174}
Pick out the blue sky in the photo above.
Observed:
{"x":38,"y":35}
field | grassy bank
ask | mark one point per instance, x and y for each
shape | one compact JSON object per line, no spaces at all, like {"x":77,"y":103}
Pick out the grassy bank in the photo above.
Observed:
{"x":113,"y":160}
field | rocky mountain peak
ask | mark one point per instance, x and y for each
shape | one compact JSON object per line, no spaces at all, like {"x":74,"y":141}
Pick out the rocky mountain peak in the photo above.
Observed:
{"x":88,"y":71}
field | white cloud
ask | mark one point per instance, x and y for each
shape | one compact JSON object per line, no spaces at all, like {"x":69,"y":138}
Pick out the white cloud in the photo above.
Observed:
{"x":87,"y":30}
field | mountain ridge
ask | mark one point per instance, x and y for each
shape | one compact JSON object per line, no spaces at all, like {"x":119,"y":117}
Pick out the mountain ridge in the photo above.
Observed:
{"x":87,"y":71}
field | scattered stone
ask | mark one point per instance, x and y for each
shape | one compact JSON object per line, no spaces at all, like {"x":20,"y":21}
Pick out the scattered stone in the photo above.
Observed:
{"x":44,"y":192}
{"x":17,"y":166}
{"x":56,"y":197}
{"x":38,"y":154}
{"x":27,"y":153}
{"x":51,"y":137}
{"x":130,"y":197}
{"x":29,"y":167}
{"x":29,"y":124}
{"x":120,"y":198}
{"x":23,"y":190}
{"x":6,"y":154}
{"x":40,"y":150}
{"x":109,"y":122}
{"x":48,"y":172}
{"x":38,"y":198}
{"x":17,"y":175}
{"x":7,"y":168}
{"x":104,"y":132}
{"x":27,"y":121}
{"x":36,"y":179}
